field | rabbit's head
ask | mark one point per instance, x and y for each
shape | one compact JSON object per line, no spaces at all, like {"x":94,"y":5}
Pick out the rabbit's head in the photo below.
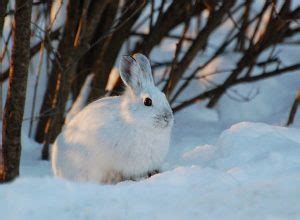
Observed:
{"x":143,"y":102}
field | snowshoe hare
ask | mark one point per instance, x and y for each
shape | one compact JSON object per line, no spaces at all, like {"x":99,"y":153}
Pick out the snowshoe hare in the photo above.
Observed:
{"x":117,"y":138}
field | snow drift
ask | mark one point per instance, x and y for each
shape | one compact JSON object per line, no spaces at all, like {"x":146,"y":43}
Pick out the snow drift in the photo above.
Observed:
{"x":252,"y":172}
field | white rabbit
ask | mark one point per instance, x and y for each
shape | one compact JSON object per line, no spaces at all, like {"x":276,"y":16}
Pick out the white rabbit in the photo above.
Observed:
{"x":117,"y":138}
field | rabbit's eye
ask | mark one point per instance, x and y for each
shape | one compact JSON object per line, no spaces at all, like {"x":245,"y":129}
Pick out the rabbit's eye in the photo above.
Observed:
{"x":147,"y":102}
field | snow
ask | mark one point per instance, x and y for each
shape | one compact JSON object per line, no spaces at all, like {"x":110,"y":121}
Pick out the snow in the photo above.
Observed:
{"x":251,"y":172}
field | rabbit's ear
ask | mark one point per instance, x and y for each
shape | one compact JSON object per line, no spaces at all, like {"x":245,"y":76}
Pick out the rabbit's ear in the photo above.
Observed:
{"x":129,"y":72}
{"x":145,"y":66}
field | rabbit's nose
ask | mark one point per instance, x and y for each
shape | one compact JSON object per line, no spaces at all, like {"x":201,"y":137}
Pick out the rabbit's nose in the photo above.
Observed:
{"x":167,"y":116}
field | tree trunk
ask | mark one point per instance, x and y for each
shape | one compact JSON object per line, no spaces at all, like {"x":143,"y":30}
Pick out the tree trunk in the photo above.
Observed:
{"x":65,"y":52}
{"x":16,"y":94}
{"x":84,"y":67}
{"x":54,"y":103}
{"x":111,"y":49}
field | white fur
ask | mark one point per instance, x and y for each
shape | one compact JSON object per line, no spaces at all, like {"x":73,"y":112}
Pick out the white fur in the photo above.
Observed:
{"x":81,"y":100}
{"x":117,"y":138}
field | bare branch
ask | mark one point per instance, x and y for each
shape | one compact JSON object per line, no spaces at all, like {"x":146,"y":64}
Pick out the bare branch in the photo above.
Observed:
{"x":246,"y":79}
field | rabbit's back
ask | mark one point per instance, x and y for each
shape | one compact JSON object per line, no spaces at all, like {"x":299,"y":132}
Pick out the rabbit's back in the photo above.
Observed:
{"x":76,"y":151}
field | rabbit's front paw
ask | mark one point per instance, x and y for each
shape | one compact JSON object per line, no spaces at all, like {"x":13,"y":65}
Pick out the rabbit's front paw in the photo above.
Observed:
{"x":152,"y":173}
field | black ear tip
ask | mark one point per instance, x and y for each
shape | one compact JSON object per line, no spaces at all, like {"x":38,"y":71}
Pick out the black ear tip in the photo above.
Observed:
{"x":128,"y":58}
{"x":132,"y":57}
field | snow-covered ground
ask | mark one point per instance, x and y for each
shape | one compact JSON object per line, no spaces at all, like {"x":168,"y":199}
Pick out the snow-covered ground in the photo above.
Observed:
{"x":250,"y":171}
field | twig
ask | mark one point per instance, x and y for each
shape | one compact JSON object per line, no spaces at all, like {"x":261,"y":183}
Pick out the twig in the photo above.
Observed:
{"x":293,"y":110}
{"x":174,"y":64}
